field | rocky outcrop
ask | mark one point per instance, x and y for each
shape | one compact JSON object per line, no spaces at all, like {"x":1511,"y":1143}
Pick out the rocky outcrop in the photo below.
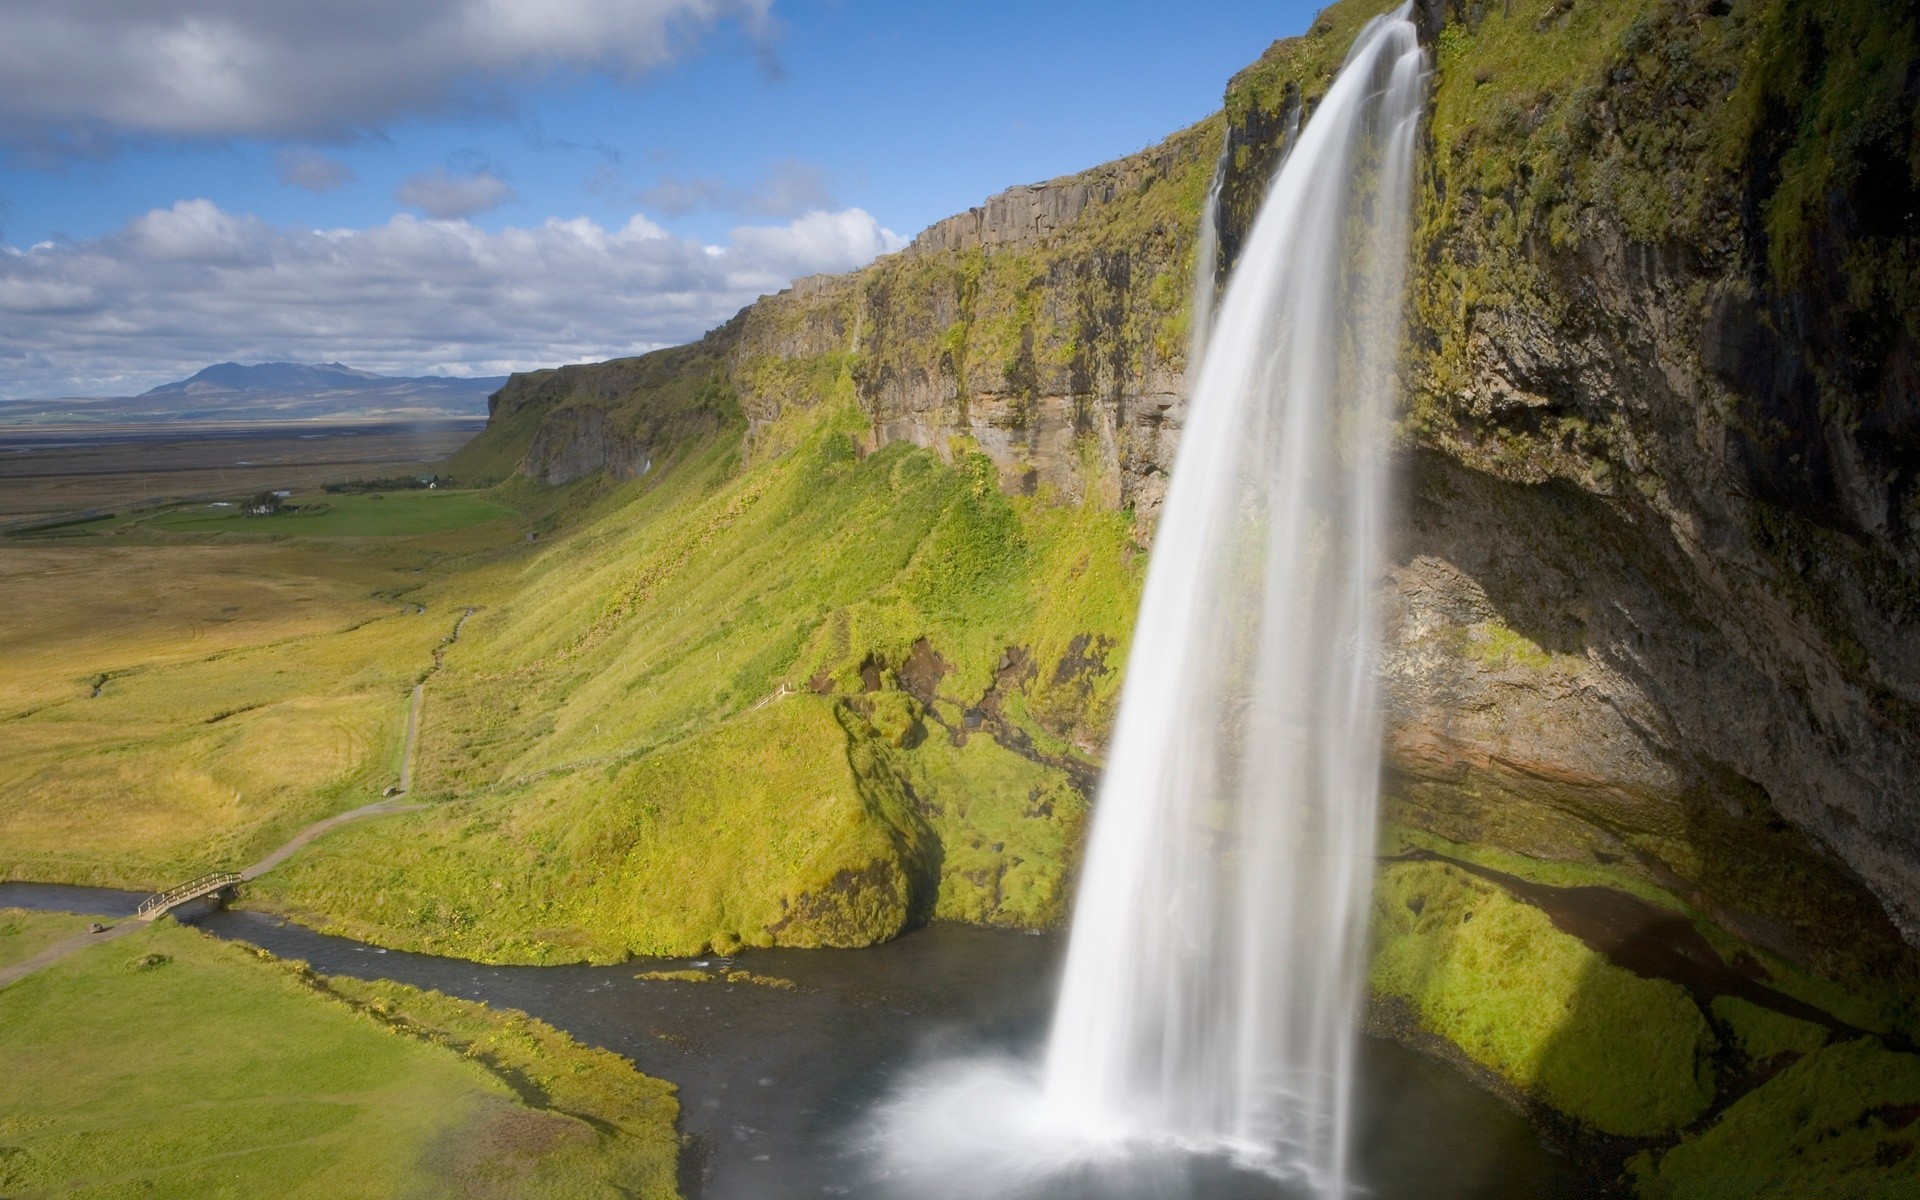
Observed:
{"x":618,"y":417}
{"x":1715,"y":365}
{"x":575,"y":442}
{"x":1046,"y":328}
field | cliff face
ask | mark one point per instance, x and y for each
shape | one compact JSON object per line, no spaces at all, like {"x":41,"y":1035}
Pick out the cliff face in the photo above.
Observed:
{"x":1652,"y":599}
{"x":1668,"y":281}
{"x":1664,"y":277}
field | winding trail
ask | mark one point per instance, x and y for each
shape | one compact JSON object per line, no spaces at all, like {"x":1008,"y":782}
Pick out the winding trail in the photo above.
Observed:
{"x":379,"y":808}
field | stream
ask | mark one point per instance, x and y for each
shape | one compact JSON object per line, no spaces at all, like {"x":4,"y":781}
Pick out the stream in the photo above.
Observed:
{"x":778,"y":1086}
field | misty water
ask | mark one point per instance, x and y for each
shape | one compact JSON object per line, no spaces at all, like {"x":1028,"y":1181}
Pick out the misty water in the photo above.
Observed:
{"x":777,"y":1087}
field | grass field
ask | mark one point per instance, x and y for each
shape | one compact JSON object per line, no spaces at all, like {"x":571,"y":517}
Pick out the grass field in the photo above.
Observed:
{"x":50,"y":470}
{"x":171,"y":1064}
{"x":24,"y":934}
{"x":176,"y":703}
{"x":377,"y":514}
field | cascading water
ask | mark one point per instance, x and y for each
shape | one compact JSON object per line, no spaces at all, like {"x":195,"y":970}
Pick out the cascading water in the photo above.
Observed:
{"x":1213,"y":975}
{"x":1206,"y":262}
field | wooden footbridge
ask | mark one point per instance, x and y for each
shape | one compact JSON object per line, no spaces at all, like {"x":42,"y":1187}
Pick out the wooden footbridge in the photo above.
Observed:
{"x":159,"y":904}
{"x":218,"y":883}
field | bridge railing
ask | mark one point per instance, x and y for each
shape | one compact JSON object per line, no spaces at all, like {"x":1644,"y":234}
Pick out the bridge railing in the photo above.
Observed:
{"x":193,"y":889}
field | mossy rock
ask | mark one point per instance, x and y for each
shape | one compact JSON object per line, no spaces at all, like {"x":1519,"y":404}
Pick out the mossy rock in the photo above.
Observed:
{"x":1762,"y":1034}
{"x":1625,"y":1055}
{"x":1840,"y":1123}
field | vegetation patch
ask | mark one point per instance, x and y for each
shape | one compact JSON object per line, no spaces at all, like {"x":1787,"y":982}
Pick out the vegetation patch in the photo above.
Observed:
{"x":755,"y":833}
{"x":1626,"y":1055}
{"x":25,"y":932}
{"x":365,"y":514}
{"x":228,"y":1073}
{"x":1843,"y":1121}
{"x":173,"y":711}
{"x":1764,"y":1035}
{"x":805,"y":702}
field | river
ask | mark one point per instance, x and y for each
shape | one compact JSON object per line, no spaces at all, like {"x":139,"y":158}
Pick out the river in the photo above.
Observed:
{"x":777,"y":1086}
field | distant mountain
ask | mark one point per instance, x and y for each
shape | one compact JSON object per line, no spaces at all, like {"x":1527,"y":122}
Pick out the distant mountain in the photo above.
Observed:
{"x":276,"y":377}
{"x":277,"y":391}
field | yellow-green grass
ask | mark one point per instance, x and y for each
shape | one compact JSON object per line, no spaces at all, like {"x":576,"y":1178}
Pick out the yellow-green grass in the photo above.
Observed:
{"x":376,"y":514}
{"x":1838,"y":1124}
{"x":759,"y":831}
{"x":171,"y":1064}
{"x":1762,"y":1034}
{"x":706,"y":593}
{"x":795,"y":824}
{"x":1864,"y":1000}
{"x":1623,"y":1054}
{"x":76,"y":613}
{"x":24,"y":933}
{"x":171,"y":709}
{"x":668,"y":630}
{"x":209,"y":763}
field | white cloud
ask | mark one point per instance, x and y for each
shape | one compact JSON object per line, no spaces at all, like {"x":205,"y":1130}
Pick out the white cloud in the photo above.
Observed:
{"x":314,"y":172}
{"x":178,"y":288}
{"x":444,"y":196}
{"x":79,"y":74}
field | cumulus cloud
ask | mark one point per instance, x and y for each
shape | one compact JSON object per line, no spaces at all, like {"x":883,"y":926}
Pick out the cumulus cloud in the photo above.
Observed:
{"x":181,"y":287}
{"x":77,"y":75}
{"x":314,"y":172}
{"x":445,"y":196}
{"x":788,"y":189}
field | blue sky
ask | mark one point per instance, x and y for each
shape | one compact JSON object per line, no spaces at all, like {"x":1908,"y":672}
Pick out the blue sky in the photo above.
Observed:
{"x":471,"y":186}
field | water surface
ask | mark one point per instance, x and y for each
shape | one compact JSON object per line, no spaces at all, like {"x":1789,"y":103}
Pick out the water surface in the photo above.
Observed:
{"x":778,"y":1087}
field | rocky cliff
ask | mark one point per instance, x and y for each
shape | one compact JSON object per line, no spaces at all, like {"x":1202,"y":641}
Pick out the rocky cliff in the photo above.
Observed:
{"x":1635,"y":300}
{"x":1653,"y":595}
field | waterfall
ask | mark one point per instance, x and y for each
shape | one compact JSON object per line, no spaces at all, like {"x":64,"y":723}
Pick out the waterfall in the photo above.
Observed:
{"x":1206,"y":260}
{"x":1215,"y":965}
{"x":1214,"y":969}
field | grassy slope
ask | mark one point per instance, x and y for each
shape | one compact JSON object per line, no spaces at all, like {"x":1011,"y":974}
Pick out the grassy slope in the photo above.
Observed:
{"x":687,"y":725}
{"x":171,"y":1064}
{"x":1492,"y":975}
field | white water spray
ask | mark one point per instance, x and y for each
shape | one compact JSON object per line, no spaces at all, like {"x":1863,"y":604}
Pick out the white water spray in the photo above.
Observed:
{"x":1213,"y":976}
{"x":1212,"y":980}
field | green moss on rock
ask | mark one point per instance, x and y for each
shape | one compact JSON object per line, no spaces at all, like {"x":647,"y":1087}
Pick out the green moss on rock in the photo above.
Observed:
{"x":1625,"y":1055}
{"x":1762,"y":1034}
{"x":1839,"y":1123}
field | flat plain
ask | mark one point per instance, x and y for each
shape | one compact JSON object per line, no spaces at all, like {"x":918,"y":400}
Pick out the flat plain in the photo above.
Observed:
{"x":187,"y":687}
{"x":51,"y":470}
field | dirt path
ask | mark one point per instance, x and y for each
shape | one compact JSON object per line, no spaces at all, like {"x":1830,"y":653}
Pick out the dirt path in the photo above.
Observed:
{"x":59,"y":950}
{"x":379,"y":808}
{"x":413,"y":735}
{"x":420,"y":697}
